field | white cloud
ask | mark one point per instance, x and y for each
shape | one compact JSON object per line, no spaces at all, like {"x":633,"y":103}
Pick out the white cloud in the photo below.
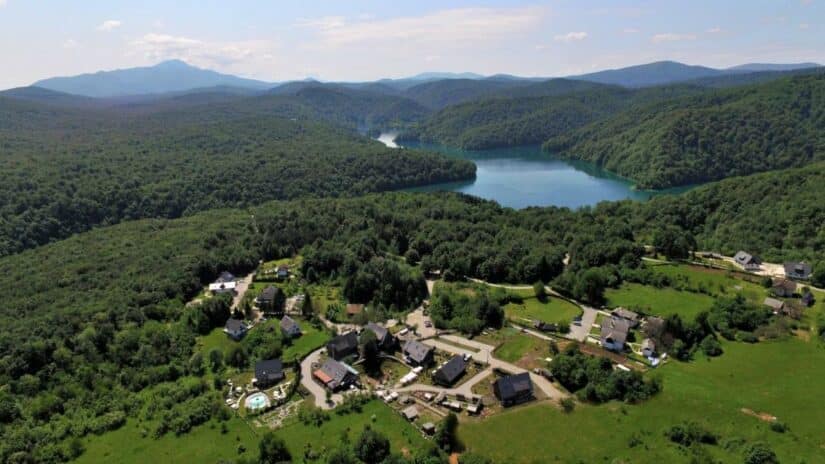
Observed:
{"x":2,"y":3}
{"x":570,"y":37}
{"x":69,"y":43}
{"x":109,"y":25}
{"x":460,"y":24}
{"x":803,"y":26}
{"x":671,"y":37}
{"x":630,"y":30}
{"x":714,"y":30}
{"x":157,"y":47}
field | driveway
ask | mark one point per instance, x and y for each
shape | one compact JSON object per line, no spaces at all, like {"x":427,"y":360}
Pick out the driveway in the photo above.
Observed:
{"x":580,"y":332}
{"x":241,"y":287}
{"x":417,"y":319}
{"x":319,"y":392}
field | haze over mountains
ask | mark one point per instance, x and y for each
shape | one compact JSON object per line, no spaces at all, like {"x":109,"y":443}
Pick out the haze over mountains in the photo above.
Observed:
{"x":177,"y":76}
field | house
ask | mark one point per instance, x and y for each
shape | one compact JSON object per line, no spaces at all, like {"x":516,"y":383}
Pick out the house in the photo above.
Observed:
{"x":235,"y":328}
{"x":799,"y":271}
{"x":807,"y":299}
{"x":418,"y":353}
{"x":513,"y":389}
{"x":354,"y":309}
{"x":271,"y":300}
{"x":336,"y":375}
{"x":428,"y":428}
{"x":776,"y":305}
{"x":225,"y":278}
{"x":648,"y":348}
{"x":386,"y":340}
{"x":626,"y":314}
{"x":451,"y":371}
{"x":411,"y":413}
{"x":268,"y":373}
{"x":783,"y":288}
{"x":217,"y":288}
{"x":343,"y":345}
{"x":282,"y":272}
{"x":545,"y":327}
{"x":614,"y":333}
{"x":747,"y":261}
{"x":290,"y":328}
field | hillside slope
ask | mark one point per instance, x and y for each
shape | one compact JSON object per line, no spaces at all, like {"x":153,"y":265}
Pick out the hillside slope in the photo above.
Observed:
{"x":722,"y":134}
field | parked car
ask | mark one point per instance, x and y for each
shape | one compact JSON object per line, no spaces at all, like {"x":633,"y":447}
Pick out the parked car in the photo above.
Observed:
{"x":428,"y":324}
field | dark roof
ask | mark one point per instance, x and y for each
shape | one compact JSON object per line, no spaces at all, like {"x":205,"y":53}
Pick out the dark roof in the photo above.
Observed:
{"x":625,"y":314}
{"x":225,"y":277}
{"x":234,"y":325}
{"x":335,"y":370}
{"x":785,"y":284}
{"x":344,"y":342}
{"x":380,"y":332}
{"x":801,"y":270}
{"x":271,"y":368}
{"x":269,"y":293}
{"x":283,"y":268}
{"x":289,"y":325}
{"x":512,"y":386}
{"x":417,"y":351}
{"x":452,"y":370}
{"x":615,"y":329}
{"x":807,"y":298}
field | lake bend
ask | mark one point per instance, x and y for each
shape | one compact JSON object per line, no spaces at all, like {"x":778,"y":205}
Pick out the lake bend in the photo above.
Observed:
{"x":519,"y":177}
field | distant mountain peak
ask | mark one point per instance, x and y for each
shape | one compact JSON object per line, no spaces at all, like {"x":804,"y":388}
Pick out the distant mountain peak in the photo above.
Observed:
{"x":165,"y":77}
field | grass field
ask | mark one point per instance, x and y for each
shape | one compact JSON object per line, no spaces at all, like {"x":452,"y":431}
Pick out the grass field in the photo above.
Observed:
{"x":659,"y":301}
{"x":551,"y":310}
{"x":713,"y":281}
{"x":779,"y":378}
{"x":518,"y":345}
{"x":207,"y":444}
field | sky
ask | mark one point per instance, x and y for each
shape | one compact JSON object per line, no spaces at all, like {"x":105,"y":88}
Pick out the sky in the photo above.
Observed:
{"x":350,"y":40}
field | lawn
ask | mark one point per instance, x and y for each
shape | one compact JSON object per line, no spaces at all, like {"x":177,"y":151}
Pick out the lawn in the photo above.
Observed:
{"x":779,"y":378}
{"x":713,"y":281}
{"x":515,"y":347}
{"x":311,"y":339}
{"x":207,"y":444}
{"x":659,"y":301}
{"x":551,"y":310}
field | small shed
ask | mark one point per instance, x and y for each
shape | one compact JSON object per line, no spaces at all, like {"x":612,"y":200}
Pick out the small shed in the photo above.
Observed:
{"x":410,"y":413}
{"x":428,"y":428}
{"x":776,"y":305}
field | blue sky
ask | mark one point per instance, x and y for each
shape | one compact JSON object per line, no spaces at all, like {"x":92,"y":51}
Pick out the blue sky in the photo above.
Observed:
{"x":365,"y":40}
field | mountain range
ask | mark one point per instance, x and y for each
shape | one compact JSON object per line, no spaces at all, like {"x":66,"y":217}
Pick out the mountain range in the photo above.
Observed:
{"x":176,"y":76}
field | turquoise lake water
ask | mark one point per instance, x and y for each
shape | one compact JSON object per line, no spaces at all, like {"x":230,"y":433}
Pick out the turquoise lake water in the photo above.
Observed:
{"x":519,"y":177}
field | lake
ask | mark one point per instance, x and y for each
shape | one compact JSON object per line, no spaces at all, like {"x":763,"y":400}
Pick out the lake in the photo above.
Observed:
{"x":519,"y":177}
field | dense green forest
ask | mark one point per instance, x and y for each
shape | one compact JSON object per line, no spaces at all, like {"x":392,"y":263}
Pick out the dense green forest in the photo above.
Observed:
{"x":95,"y":325}
{"x":501,"y":122}
{"x":720,"y":134}
{"x":66,"y":170}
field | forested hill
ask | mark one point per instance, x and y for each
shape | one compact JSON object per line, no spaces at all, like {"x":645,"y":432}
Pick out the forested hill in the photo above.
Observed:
{"x":723,"y":133}
{"x":66,"y":170}
{"x":501,"y":122}
{"x":93,"y":320}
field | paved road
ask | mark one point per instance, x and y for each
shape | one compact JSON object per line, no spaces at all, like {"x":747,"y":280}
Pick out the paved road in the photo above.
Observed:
{"x":316,"y":389}
{"x":465,"y":388}
{"x":240,"y":289}
{"x":417,"y":319}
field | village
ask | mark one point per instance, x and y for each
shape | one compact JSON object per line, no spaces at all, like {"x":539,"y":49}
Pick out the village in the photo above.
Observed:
{"x":424,"y":373}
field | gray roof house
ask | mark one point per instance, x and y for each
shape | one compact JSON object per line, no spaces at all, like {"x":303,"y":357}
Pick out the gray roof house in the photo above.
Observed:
{"x":268,"y":373}
{"x":748,"y":261}
{"x":801,"y":271}
{"x":451,"y":371}
{"x":648,"y":347}
{"x":784,"y":288}
{"x":614,"y":333}
{"x":418,"y":353}
{"x":336,"y":375}
{"x":513,"y":389}
{"x":290,"y":328}
{"x":775,"y":305}
{"x":628,"y":315}
{"x":343,"y":345}
{"x":235,"y":328}
{"x":386,"y":341}
{"x":225,"y":277}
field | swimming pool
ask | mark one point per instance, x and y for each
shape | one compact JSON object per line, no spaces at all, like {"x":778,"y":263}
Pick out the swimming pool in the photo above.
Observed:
{"x":257,"y":401}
